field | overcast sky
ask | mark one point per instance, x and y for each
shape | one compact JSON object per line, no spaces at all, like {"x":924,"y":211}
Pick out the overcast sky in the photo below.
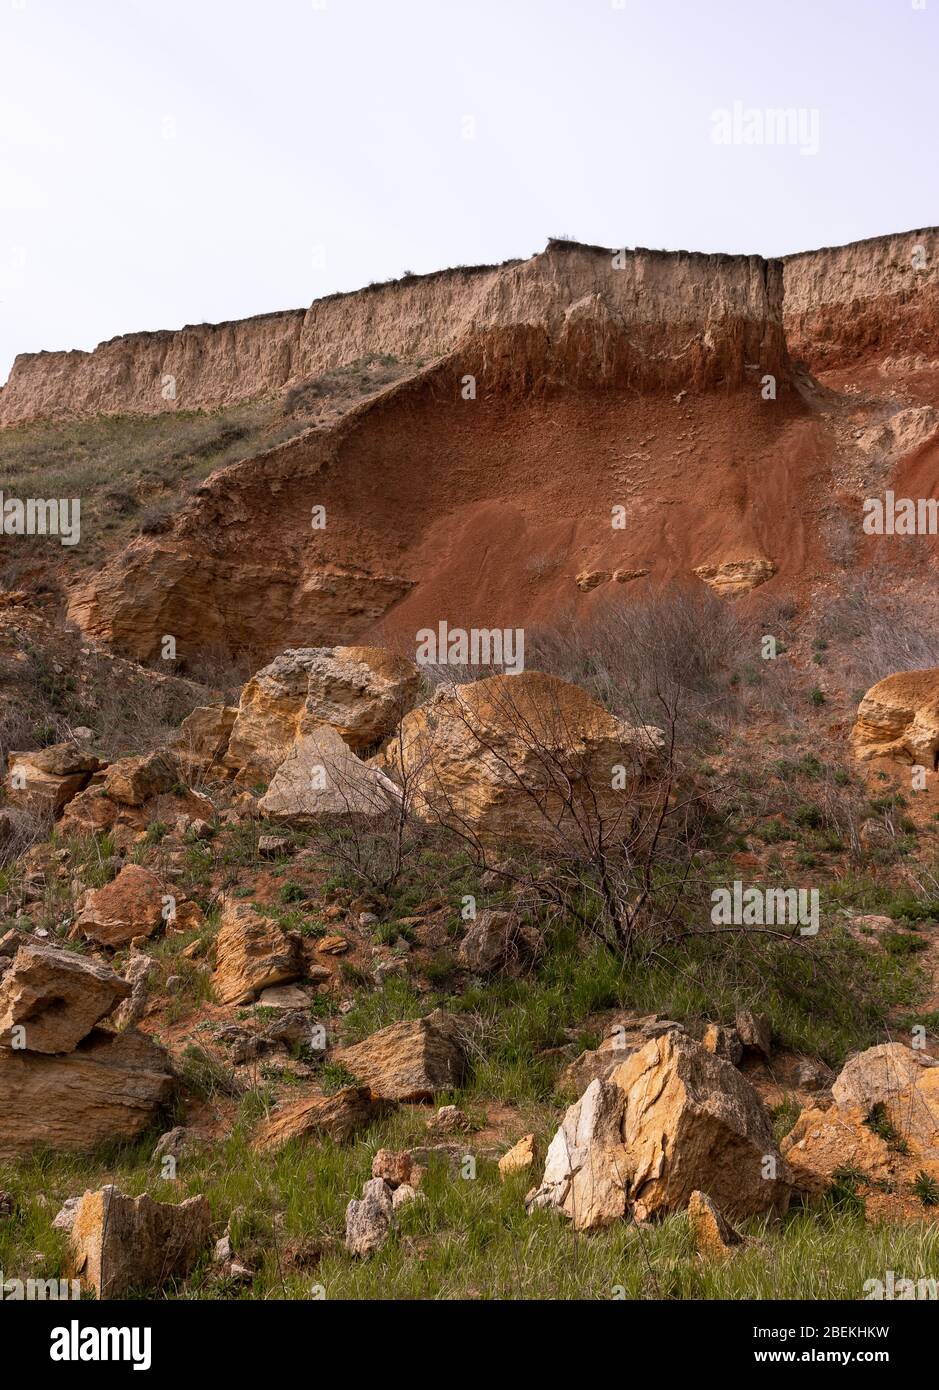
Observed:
{"x":165,"y":162}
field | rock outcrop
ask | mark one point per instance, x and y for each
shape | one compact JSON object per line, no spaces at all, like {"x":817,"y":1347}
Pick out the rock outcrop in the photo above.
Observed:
{"x":899,"y":718}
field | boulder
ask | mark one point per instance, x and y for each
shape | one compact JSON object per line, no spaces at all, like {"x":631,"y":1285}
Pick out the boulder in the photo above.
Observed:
{"x":108,"y":1089}
{"x":879,"y":1076}
{"x":251,"y":953}
{"x":48,"y":778}
{"x":408,"y":1061}
{"x":368,"y":1222}
{"x":130,"y":905}
{"x":713,"y":1237}
{"x":502,"y":757}
{"x":133,"y":781}
{"x":899,"y":718}
{"x":320,"y":779}
{"x":823,"y":1141}
{"x":121,"y":1245}
{"x":338,"y":1116}
{"x":670,"y":1120}
{"x":360,"y":692}
{"x":56,"y":998}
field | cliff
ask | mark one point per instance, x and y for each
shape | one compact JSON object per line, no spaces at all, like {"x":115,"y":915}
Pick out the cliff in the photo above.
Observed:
{"x":661,"y":318}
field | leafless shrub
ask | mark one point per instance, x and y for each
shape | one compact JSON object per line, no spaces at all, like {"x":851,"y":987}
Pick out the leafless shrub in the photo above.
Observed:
{"x":876,"y":633}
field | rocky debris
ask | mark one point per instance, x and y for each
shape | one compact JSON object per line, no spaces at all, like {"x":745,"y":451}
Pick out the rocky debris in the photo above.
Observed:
{"x":495,"y":940}
{"x":64,"y":1218}
{"x":93,"y":811}
{"x":321,"y":779}
{"x":251,"y":953}
{"x":671,"y":1119}
{"x":450,"y":1119}
{"x":121,"y":1245}
{"x":501,"y":757}
{"x":130,"y":906}
{"x":899,"y":435}
{"x":713,"y":1237}
{"x":173,"y":1144}
{"x":585,"y":1173}
{"x":409,"y":1061}
{"x":332,"y":946}
{"x":736,"y":576}
{"x":754,"y":1032}
{"x":137,"y":972}
{"x":134,"y":781}
{"x":55,"y":997}
{"x":48,"y":778}
{"x":108,"y":1089}
{"x":201,"y":741}
{"x":899,"y":718}
{"x":359,"y":692}
{"x":520,"y":1156}
{"x":368,"y":1222}
{"x":404,"y":1195}
{"x":723,"y":1042}
{"x":879,"y":1076}
{"x":285,"y":998}
{"x":273,"y":846}
{"x":397,"y":1167}
{"x":339,"y":1116}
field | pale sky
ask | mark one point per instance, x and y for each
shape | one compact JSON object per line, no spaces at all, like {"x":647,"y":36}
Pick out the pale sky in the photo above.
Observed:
{"x":165,"y":162}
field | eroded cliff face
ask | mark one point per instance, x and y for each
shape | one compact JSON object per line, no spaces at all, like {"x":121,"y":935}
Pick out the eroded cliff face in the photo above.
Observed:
{"x":652,"y":319}
{"x":874,"y":298}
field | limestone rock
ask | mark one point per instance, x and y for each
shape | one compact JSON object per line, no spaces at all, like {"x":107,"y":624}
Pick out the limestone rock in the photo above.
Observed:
{"x":133,"y":781}
{"x":585,"y":1174}
{"x":592,"y":579}
{"x":518,"y":1157}
{"x":397,"y":1167}
{"x":879,"y":1076}
{"x":339,"y":1116}
{"x":492,"y":938}
{"x":723,"y":1042}
{"x":368,"y":1221}
{"x":320,"y":778}
{"x":692,"y":1121}
{"x":408,"y":1061}
{"x":713,"y":1237}
{"x":121,"y":1245}
{"x":48,"y":778}
{"x":57,"y":997}
{"x":131,"y":905}
{"x":823,"y":1141}
{"x":137,"y":973}
{"x":736,"y":576}
{"x":492,"y":756}
{"x":108,"y":1089}
{"x":405,"y":1194}
{"x":899,"y":718}
{"x":754,"y":1032}
{"x":360,"y":692}
{"x":251,"y":953}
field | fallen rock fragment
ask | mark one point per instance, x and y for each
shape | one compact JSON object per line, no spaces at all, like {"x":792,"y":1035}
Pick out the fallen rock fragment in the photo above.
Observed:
{"x":121,"y":1245}
{"x":339,"y":1116}
{"x":409,"y":1061}
{"x":368,"y":1221}
{"x":521,"y":1155}
{"x":51,"y":999}
{"x":251,"y":953}
{"x":131,"y":905}
{"x":713,"y":1237}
